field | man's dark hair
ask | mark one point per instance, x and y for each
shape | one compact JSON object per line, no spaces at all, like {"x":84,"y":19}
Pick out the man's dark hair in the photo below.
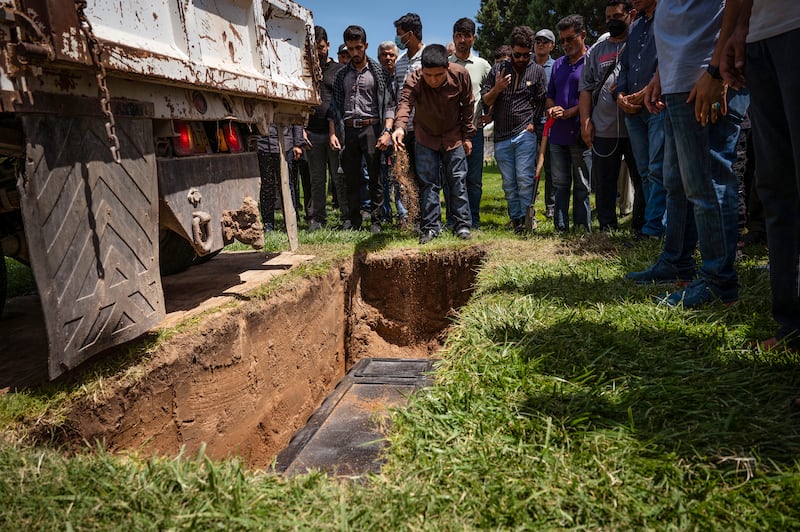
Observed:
{"x":522,"y":36}
{"x":502,"y":51}
{"x":434,"y":55}
{"x":626,"y":5}
{"x":355,"y":33}
{"x":320,"y":34}
{"x":464,"y":25}
{"x":575,"y":22}
{"x":410,"y":22}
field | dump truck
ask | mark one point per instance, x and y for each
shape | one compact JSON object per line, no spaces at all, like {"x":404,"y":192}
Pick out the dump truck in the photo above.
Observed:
{"x":127,"y":147}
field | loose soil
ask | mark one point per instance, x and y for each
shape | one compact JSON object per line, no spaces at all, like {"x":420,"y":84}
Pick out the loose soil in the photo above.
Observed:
{"x":245,"y":377}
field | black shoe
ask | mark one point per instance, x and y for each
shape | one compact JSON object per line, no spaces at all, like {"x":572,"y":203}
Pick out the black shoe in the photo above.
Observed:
{"x":464,"y":233}
{"x":427,"y":236}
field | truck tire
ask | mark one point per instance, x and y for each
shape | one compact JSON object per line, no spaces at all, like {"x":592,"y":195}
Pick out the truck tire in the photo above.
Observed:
{"x":177,"y":253}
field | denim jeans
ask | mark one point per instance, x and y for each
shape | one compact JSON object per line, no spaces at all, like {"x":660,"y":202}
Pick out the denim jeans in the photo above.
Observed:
{"x":391,"y":188}
{"x":702,"y":189}
{"x":571,"y":167}
{"x":474,"y":182}
{"x":774,"y":80}
{"x":516,"y":158}
{"x":646,"y":133}
{"x":321,"y":160}
{"x":431,"y":164}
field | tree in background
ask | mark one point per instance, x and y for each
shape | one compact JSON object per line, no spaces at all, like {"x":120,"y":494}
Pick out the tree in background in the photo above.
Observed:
{"x":498,"y":17}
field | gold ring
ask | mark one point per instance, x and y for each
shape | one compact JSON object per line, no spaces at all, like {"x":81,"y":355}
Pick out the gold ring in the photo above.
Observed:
{"x":715,"y":106}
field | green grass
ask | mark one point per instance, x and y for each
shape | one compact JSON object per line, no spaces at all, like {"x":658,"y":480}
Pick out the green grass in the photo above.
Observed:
{"x":565,"y":399}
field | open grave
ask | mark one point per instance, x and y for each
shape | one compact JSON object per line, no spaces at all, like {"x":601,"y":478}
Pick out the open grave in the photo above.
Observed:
{"x":244,"y":378}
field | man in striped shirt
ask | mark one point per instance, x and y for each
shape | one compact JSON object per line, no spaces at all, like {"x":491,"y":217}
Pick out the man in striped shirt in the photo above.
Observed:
{"x":515,"y":90}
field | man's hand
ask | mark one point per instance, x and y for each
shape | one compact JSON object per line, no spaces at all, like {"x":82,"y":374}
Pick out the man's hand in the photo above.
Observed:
{"x":708,"y":95}
{"x":467,"y":147}
{"x":384,"y":141}
{"x":652,"y":95}
{"x":502,"y":81}
{"x":335,"y":144}
{"x":555,"y":112}
{"x":397,"y":138}
{"x":631,"y":103}
{"x":587,"y":133}
{"x":732,"y":62}
{"x":297,"y":152}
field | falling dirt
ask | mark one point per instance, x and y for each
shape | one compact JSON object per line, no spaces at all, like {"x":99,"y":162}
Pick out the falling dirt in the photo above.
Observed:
{"x":245,"y":378}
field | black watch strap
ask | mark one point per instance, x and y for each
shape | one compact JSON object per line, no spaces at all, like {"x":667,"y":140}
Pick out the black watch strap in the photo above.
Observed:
{"x":713,"y":71}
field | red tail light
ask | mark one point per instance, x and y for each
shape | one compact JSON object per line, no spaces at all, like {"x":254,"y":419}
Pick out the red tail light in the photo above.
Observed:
{"x":183,"y":144}
{"x":232,"y":138}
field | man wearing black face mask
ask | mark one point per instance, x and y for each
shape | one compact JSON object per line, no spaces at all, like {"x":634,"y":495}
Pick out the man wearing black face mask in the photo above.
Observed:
{"x":602,"y":121}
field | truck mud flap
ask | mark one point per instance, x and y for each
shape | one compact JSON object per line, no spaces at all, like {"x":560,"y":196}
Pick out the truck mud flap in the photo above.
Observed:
{"x":92,"y":228}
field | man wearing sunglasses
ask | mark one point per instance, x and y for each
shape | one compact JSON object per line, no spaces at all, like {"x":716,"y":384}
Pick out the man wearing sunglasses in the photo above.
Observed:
{"x":515,"y":89}
{"x":569,"y":158}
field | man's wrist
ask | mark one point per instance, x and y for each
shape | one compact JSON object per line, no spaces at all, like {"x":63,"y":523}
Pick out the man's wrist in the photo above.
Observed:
{"x":714,"y":72}
{"x":387,"y":130}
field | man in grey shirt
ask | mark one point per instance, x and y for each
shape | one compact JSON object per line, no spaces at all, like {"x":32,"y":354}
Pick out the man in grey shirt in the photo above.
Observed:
{"x":602,"y":122}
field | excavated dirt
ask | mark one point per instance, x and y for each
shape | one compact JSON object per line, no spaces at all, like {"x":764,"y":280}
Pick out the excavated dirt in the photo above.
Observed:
{"x":247,"y":377}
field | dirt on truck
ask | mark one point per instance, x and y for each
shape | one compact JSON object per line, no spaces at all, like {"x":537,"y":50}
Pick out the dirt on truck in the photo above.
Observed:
{"x":127,"y":148}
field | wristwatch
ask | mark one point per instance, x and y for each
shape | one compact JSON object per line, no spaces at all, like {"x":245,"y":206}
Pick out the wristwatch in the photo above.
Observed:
{"x":713,"y":71}
{"x":387,"y":130}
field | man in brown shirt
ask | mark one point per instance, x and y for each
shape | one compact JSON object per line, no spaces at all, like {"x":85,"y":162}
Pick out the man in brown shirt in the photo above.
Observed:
{"x":441,"y":93}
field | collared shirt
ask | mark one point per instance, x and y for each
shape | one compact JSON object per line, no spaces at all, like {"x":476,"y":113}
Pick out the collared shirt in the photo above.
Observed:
{"x":686,"y":32}
{"x":638,"y":61}
{"x":403,"y":67}
{"x":478,"y":68}
{"x":383,"y":94}
{"x":563,"y":90}
{"x":318,"y":121}
{"x":521,"y":103}
{"x":445,"y":113}
{"x":548,"y":68}
{"x":359,"y":93}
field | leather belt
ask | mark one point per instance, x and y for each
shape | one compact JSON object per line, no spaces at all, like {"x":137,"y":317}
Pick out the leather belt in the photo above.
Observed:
{"x":361,"y":122}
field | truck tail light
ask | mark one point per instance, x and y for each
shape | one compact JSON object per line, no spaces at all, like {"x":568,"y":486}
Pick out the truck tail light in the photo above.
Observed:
{"x":232,"y":138}
{"x":183,"y":143}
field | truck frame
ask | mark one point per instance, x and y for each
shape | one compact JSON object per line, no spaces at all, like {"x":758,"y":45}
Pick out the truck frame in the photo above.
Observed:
{"x":126,"y":147}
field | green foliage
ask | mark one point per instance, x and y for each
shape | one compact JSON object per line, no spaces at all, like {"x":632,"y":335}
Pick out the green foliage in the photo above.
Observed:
{"x":498,"y":18}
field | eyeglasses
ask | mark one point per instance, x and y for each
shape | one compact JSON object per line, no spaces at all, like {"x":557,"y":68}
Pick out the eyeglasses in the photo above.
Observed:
{"x":541,"y":41}
{"x":565,"y":40}
{"x":517,"y":55}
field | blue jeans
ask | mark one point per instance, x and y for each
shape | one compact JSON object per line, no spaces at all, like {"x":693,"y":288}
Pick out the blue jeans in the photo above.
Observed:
{"x":774,"y":80}
{"x":516,"y":158}
{"x":646,"y":132}
{"x":391,"y":187}
{"x":453,"y":167}
{"x":702,"y":189}
{"x":571,"y":170}
{"x":474,"y":182}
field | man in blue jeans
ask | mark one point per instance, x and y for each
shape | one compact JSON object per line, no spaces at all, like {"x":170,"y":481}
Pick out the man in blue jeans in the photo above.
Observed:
{"x":645,"y":129}
{"x":441,"y":93}
{"x":515,"y":90}
{"x":699,"y":151}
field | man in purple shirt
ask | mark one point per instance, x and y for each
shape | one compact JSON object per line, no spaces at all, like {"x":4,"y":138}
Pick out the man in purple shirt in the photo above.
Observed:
{"x":570,"y":160}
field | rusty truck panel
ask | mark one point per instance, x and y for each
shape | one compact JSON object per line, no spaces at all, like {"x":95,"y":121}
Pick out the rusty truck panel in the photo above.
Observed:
{"x":129,"y":127}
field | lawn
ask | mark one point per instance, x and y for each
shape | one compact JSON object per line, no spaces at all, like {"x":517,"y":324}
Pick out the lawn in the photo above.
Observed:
{"x":566,"y":398}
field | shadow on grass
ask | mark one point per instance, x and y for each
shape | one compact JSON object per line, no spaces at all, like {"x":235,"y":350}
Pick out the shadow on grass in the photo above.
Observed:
{"x":681,"y":390}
